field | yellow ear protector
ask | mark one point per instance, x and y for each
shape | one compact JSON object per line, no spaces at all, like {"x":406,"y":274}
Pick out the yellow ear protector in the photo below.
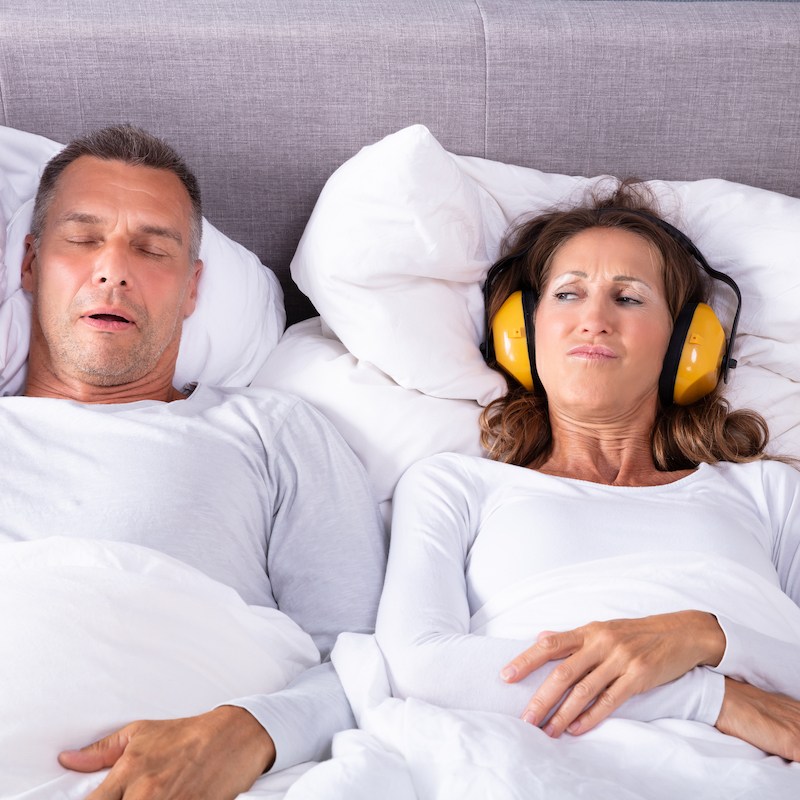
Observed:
{"x":697,"y":354}
{"x":513,"y":347}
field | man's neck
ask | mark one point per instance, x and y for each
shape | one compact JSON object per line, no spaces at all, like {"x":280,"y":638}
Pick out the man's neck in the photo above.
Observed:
{"x":60,"y":380}
{"x":42,"y":383}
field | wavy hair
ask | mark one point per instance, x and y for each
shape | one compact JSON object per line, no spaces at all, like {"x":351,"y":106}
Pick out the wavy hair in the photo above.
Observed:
{"x":516,"y":428}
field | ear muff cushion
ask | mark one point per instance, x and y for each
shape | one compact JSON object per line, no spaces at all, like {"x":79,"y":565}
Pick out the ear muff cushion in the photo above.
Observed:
{"x":694,"y":356}
{"x":528,"y":310}
{"x":512,"y":342}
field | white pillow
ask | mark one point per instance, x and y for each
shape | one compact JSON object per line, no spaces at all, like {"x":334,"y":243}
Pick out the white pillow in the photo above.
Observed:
{"x":398,"y":245}
{"x":239,"y":316}
{"x":388,"y":427}
{"x":392,"y":258}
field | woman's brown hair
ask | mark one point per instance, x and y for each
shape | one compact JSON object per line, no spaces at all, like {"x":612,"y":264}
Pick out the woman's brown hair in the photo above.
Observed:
{"x":516,"y":427}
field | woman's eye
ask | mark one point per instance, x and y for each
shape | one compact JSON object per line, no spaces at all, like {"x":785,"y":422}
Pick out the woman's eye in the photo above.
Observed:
{"x":628,"y":300}
{"x":565,"y":295}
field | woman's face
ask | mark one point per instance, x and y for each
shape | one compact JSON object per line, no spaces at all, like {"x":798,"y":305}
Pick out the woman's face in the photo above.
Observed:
{"x":602,"y":326}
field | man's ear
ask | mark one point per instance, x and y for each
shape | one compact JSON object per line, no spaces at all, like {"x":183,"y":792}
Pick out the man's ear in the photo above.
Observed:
{"x":28,"y":258}
{"x":190,"y":302}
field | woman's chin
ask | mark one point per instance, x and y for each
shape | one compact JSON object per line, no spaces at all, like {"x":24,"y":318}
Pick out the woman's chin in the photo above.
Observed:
{"x":602,"y":407}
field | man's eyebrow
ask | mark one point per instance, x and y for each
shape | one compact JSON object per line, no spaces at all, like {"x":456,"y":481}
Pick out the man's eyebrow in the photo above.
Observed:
{"x":85,"y":218}
{"x":79,"y":216}
{"x":159,"y":230}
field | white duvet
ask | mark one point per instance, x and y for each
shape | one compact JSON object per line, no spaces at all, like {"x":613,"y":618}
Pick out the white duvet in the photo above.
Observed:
{"x":98,"y":634}
{"x":409,"y":749}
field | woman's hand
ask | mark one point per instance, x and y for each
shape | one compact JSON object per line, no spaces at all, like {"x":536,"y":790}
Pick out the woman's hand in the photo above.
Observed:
{"x":605,"y":663}
{"x":769,"y":721}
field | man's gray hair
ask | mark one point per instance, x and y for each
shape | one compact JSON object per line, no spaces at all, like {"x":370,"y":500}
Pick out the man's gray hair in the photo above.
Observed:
{"x":128,"y":144}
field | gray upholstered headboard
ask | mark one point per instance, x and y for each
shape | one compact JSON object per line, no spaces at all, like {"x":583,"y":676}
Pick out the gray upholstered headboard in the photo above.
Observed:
{"x":266,"y":99}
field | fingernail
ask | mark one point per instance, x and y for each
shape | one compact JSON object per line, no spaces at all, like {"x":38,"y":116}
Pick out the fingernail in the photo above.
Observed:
{"x":549,"y":729}
{"x":508,"y":673}
{"x":529,"y":717}
{"x":574,"y":727}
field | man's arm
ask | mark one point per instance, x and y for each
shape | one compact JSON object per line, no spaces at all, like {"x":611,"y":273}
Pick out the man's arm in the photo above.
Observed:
{"x":213,"y":756}
{"x":302,"y":718}
{"x":325,"y":560}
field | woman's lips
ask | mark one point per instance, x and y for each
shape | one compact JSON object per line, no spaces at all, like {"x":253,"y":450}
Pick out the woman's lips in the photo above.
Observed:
{"x":592,"y":352}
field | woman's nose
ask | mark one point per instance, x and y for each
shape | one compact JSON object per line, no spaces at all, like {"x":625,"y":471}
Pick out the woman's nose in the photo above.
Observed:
{"x":597,"y":316}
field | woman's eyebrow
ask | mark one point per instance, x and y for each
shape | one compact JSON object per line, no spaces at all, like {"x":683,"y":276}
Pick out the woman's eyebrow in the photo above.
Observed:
{"x":577,"y":273}
{"x":631,"y":279}
{"x":571,"y":273}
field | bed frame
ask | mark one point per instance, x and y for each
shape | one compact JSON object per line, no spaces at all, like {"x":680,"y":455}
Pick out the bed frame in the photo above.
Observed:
{"x":266,"y":99}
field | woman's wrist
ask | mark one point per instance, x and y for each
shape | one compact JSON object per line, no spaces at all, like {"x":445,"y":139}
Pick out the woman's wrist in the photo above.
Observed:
{"x":708,"y":636}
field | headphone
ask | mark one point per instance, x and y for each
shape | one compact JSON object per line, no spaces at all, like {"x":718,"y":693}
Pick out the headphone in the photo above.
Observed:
{"x":697,"y":354}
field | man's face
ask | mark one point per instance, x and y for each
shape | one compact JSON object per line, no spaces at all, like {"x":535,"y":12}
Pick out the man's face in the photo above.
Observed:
{"x":112,"y":279}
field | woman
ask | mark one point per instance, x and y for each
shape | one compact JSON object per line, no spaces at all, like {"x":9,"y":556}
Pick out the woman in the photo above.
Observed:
{"x":594,"y":475}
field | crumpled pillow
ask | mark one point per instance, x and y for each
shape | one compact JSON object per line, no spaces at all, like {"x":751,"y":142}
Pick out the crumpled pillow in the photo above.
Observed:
{"x":397,"y":248}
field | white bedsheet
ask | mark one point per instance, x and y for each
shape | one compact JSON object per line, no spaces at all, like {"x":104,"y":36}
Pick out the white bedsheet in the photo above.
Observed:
{"x":98,"y":634}
{"x":408,"y":749}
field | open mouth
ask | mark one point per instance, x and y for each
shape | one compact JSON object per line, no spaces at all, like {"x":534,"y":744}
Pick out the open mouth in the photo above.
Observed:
{"x":108,"y":317}
{"x":108,"y":323}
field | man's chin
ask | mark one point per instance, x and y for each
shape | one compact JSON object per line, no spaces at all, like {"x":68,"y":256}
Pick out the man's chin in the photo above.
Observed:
{"x":106,"y":362}
{"x":111,"y":372}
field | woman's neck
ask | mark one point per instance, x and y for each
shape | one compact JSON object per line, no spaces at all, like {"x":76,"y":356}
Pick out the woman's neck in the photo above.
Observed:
{"x":612,"y":453}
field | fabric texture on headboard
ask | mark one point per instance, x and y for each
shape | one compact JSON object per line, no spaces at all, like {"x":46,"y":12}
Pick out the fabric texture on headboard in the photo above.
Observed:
{"x":266,"y":99}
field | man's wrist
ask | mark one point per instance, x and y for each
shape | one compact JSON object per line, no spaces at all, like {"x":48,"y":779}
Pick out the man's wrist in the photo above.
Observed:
{"x":250,"y":733}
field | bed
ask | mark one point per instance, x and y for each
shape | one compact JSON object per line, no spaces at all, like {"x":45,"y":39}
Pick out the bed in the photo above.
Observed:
{"x":360,"y":163}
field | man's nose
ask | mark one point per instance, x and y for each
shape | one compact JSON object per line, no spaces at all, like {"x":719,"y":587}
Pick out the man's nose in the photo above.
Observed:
{"x":112,"y":265}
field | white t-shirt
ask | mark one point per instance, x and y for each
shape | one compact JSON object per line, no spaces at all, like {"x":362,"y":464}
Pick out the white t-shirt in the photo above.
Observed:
{"x":252,"y":487}
{"x":466,"y":528}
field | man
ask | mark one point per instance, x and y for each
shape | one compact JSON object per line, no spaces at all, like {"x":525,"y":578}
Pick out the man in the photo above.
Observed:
{"x":254,"y":489}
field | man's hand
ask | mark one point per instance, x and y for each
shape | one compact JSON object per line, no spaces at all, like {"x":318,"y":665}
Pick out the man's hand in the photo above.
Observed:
{"x":769,"y":721}
{"x":606,"y":663}
{"x":214,"y":756}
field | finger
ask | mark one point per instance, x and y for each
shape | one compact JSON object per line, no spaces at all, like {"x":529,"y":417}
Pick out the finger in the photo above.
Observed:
{"x":112,"y":788}
{"x":548,"y":646}
{"x":598,"y":692}
{"x":608,"y":701}
{"x":553,"y":690}
{"x":98,"y":755}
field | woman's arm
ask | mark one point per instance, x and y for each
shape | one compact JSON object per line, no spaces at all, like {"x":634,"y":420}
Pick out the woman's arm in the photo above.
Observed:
{"x":765,"y":719}
{"x":752,"y":655}
{"x":424,"y":616}
{"x":608,"y":663}
{"x":629,"y":656}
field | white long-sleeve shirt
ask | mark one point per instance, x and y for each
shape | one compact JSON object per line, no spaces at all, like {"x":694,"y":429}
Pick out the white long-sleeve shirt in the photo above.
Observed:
{"x":466,"y":528}
{"x":252,"y":487}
